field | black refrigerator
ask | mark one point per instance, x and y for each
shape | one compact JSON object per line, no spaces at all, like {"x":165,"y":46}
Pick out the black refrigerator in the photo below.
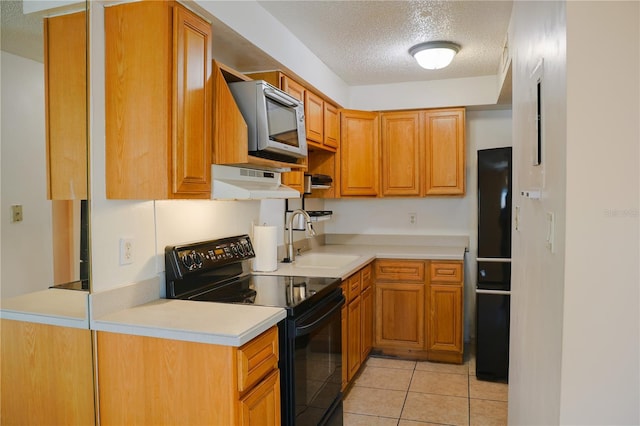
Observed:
{"x":493,"y":289}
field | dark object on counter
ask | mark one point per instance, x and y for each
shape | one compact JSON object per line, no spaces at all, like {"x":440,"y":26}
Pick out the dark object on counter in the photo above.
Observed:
{"x":493,"y":289}
{"x":82,"y":285}
{"x":321,"y":179}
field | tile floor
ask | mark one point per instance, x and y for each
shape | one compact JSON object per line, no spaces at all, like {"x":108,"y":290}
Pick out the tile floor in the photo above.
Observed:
{"x":409,"y":393}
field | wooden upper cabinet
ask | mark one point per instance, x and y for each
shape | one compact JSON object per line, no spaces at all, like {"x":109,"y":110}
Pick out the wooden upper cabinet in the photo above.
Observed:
{"x":158,"y":102}
{"x":65,"y":66}
{"x":230,"y":131}
{"x":294,"y":179}
{"x":292,"y":87}
{"x":359,"y":153}
{"x":314,"y":117}
{"x":402,"y":137}
{"x":445,"y":152}
{"x":331,"y":126}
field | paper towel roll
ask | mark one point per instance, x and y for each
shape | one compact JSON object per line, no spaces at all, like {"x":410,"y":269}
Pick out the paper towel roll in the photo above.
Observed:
{"x":265,"y":245}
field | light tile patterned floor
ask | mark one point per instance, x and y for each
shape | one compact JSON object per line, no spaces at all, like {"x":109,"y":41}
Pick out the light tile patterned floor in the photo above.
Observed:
{"x":391,"y":392}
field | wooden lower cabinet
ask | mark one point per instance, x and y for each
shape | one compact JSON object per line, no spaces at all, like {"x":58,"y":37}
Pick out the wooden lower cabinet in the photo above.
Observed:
{"x":366,"y":322}
{"x":445,"y":323}
{"x":400,"y":316}
{"x":357,"y":323}
{"x":47,"y":375}
{"x":419,"y":309}
{"x":147,"y":380}
{"x":345,"y":343}
{"x":353,"y":346}
{"x":261,"y":406}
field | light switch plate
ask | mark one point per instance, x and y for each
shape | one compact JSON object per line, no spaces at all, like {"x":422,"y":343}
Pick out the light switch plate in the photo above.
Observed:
{"x":551,"y":230}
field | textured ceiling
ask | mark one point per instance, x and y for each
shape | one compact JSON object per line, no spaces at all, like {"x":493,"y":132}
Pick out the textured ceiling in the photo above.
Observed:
{"x":21,"y":34}
{"x":367,"y":42}
{"x":363,"y":42}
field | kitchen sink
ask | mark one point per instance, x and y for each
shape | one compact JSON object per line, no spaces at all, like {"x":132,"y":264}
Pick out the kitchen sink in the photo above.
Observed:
{"x":324,"y":260}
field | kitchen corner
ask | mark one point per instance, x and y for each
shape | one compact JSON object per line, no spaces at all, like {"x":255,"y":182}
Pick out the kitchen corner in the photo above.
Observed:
{"x":371,"y":247}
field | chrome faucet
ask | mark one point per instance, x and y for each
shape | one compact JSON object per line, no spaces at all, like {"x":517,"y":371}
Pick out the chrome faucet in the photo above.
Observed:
{"x":308,"y":230}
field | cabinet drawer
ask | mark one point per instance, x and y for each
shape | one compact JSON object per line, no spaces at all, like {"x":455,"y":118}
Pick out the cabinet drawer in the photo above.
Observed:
{"x":400,"y":270}
{"x":257,"y":358}
{"x":353,"y":285}
{"x":445,"y":272}
{"x":365,"y":277}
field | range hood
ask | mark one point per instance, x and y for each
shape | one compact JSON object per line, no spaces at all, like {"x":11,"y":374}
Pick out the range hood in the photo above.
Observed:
{"x":239,"y":183}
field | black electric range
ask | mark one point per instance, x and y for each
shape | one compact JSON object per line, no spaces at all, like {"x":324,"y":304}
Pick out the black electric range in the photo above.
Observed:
{"x":309,"y":338}
{"x":215,"y":271}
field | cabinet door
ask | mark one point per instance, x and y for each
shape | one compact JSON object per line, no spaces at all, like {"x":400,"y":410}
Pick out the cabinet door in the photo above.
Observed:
{"x":331,"y":126}
{"x":138,"y":46}
{"x":445,"y":319}
{"x":191,"y":159}
{"x":47,"y":375}
{"x":230,"y":131}
{"x":65,"y":66}
{"x":366,"y":314}
{"x":293,"y":88}
{"x":157,"y":102}
{"x":294,"y":179}
{"x":354,"y":349}
{"x":402,"y":144}
{"x":359,"y":153}
{"x":261,"y":406}
{"x":445,"y":152}
{"x":345,"y":343}
{"x":314,"y":117}
{"x":400,"y":315}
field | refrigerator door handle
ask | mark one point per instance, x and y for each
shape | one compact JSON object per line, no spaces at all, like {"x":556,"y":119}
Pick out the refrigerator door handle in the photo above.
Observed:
{"x":502,"y":292}
{"x":494,"y":259}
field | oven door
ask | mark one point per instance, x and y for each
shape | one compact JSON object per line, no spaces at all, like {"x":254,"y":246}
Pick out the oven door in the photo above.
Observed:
{"x":313,"y":367}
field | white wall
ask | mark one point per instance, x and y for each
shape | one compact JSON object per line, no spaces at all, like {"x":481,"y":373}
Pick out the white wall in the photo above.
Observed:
{"x":601,"y":323}
{"x":425,"y":94}
{"x":574,"y":318}
{"x":24,"y":179}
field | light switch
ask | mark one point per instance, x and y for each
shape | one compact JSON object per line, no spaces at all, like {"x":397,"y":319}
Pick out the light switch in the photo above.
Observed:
{"x":551,"y":230}
{"x":16,"y":213}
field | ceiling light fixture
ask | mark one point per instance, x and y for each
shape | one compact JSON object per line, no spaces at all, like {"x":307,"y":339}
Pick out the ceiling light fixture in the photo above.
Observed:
{"x":434,"y":55}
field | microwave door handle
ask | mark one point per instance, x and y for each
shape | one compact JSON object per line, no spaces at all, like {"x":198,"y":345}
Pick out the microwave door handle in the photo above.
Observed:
{"x":278,"y":97}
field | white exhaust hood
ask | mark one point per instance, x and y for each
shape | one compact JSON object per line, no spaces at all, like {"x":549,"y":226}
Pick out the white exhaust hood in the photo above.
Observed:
{"x":239,"y":183}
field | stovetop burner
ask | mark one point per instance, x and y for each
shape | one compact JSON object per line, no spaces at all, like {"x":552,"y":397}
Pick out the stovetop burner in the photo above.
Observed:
{"x":212,"y":271}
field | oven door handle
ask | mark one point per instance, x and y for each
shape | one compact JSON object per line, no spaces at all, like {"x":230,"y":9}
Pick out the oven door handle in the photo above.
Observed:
{"x":306,"y":328}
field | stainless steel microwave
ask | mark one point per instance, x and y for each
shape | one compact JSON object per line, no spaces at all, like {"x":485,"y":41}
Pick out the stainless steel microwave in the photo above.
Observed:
{"x":275,"y":120}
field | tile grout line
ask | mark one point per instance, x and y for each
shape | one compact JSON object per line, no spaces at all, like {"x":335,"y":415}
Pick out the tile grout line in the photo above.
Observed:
{"x":406,"y":394}
{"x":469,"y":398}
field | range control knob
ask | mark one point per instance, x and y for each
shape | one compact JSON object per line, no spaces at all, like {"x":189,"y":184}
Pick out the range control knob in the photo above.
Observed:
{"x":192,"y":260}
{"x":241,"y":250}
{"x":197,"y":259}
{"x":188,"y":262}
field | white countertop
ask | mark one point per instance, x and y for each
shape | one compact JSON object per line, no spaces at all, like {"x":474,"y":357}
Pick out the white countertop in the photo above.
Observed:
{"x":137,"y":309}
{"x":66,"y":308}
{"x":202,"y":322}
{"x":366,"y":254}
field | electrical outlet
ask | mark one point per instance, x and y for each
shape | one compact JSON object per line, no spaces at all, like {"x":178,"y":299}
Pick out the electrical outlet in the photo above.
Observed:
{"x":413,"y":219}
{"x":126,"y":251}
